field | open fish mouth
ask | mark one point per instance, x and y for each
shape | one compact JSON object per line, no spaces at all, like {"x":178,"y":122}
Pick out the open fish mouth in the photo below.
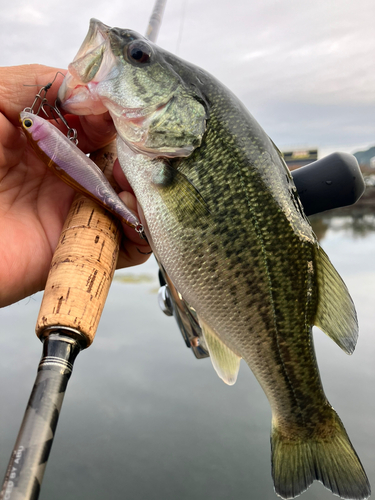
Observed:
{"x":90,"y":87}
{"x":93,"y":63}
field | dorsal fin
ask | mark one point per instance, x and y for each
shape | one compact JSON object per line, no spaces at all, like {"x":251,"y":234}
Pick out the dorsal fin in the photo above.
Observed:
{"x":224,"y":360}
{"x":336,"y":314}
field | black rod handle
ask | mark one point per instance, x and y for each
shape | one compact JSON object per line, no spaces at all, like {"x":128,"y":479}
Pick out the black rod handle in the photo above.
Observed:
{"x":28,"y":461}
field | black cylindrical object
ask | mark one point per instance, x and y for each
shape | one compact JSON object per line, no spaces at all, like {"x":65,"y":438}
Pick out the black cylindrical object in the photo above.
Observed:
{"x":332,"y":182}
{"x":30,"y":454}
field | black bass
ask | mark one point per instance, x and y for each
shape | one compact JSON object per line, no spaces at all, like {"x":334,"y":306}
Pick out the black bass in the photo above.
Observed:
{"x":224,"y":219}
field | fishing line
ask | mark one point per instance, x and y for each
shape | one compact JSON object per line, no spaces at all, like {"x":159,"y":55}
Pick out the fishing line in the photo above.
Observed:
{"x":45,"y":87}
{"x":182,"y":22}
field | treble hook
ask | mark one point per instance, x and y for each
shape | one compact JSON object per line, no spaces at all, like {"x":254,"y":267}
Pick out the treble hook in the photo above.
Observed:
{"x":72,"y":132}
{"x":42,"y":99}
{"x":41,"y":96}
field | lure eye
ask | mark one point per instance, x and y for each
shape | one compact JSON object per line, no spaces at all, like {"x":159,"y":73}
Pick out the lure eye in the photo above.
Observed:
{"x":27,"y":123}
{"x":139,"y":52}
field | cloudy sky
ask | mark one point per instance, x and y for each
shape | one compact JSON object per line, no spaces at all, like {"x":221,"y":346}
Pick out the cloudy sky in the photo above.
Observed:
{"x":305,"y":69}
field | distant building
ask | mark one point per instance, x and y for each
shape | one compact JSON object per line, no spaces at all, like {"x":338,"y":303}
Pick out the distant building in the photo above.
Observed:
{"x":300,"y":157}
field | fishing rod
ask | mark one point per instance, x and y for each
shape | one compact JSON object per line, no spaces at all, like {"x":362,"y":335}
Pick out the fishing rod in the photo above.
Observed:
{"x":80,"y":276}
{"x":74,"y":297}
{"x":156,"y":18}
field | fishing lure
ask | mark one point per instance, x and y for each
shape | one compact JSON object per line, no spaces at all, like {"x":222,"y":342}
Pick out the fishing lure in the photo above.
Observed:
{"x":61,"y":154}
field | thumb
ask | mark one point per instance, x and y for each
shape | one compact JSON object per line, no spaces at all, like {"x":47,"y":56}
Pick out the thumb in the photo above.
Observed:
{"x":98,"y":130}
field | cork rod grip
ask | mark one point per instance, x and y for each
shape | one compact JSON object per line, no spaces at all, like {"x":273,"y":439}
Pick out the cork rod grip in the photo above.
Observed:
{"x":83,"y":264}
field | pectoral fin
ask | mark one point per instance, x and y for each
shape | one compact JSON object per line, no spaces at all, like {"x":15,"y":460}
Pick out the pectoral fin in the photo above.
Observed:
{"x":224,"y":360}
{"x":179,"y":194}
{"x":336,"y":314}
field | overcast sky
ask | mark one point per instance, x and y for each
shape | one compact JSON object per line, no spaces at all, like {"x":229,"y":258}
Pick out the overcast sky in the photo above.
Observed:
{"x":304,"y":68}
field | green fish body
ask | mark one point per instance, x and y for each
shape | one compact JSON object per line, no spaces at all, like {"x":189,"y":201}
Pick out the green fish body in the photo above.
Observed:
{"x":224,"y":220}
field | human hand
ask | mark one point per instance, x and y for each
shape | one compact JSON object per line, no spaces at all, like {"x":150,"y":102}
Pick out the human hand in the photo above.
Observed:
{"x":33,"y":201}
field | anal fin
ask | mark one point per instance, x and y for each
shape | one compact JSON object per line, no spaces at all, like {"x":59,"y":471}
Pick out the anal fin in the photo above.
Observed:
{"x":336,"y":314}
{"x":224,"y":360}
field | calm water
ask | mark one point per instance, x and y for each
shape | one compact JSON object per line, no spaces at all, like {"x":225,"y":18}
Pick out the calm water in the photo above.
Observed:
{"x":143,"y":419}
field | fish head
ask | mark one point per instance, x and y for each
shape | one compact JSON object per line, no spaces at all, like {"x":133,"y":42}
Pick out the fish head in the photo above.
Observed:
{"x":154,"y":110}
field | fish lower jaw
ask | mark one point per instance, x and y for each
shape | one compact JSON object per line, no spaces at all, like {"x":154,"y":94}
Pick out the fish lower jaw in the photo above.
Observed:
{"x":83,"y":100}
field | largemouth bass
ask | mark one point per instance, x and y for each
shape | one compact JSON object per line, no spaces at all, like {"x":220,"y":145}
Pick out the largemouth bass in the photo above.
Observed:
{"x":224,"y":219}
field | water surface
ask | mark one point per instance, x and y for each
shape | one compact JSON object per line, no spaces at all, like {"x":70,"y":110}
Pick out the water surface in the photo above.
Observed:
{"x":143,"y":419}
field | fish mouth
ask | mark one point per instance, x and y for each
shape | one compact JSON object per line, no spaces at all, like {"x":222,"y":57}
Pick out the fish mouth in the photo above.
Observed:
{"x":85,"y":91}
{"x":80,"y":92}
{"x":93,"y":63}
{"x":137,"y":117}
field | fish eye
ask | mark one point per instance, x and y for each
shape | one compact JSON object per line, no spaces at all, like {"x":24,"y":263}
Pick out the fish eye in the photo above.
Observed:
{"x":139,"y":52}
{"x":27,"y":123}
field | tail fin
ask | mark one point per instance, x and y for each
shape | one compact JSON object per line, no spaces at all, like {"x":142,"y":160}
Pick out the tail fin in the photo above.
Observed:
{"x":329,"y":458}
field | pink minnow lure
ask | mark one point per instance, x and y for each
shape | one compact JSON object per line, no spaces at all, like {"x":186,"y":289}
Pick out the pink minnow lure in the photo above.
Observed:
{"x":74,"y":167}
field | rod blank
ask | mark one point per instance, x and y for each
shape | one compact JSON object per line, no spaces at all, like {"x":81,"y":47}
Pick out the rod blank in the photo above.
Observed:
{"x":28,"y":461}
{"x":155,"y":20}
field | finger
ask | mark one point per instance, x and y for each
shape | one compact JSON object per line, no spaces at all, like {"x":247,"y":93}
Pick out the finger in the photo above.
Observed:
{"x":16,"y":95}
{"x":11,"y":137}
{"x":12,"y":145}
{"x":120,"y":178}
{"x":134,"y":249}
{"x":131,"y":202}
{"x":94,"y":132}
{"x":132,"y":254}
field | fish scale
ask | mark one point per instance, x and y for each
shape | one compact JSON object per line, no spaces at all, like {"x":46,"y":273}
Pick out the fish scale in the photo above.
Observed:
{"x":185,"y":261}
{"x":225,"y":222}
